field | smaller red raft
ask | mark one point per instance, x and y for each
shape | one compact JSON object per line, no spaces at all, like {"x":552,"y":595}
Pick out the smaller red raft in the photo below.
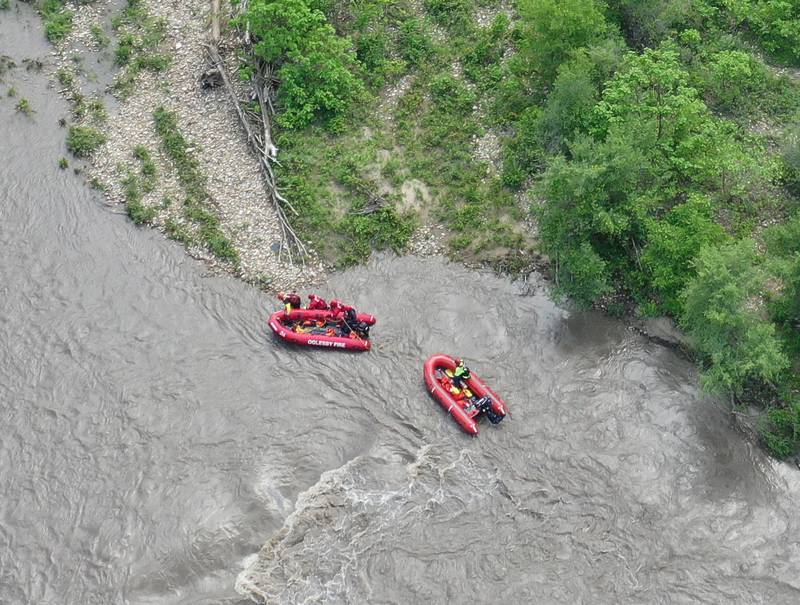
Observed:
{"x":465,"y":408}
{"x":289,"y":326}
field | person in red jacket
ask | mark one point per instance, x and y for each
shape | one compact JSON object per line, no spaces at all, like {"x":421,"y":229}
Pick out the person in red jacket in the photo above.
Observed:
{"x":316,"y":303}
{"x":339,"y":309}
{"x":290,"y":301}
{"x":345,"y":315}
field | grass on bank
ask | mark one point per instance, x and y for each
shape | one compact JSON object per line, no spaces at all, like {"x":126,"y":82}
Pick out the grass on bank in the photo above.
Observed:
{"x":416,"y":152}
{"x":82,"y":141}
{"x":197,"y":204}
{"x":58,"y":20}
{"x":140,"y":46}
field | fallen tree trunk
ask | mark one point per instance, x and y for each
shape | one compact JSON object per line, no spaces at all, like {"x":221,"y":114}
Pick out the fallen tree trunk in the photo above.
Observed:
{"x":258,"y":129}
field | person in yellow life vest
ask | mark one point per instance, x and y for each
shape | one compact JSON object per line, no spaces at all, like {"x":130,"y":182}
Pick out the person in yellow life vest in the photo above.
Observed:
{"x":290,"y":301}
{"x":461,"y":374}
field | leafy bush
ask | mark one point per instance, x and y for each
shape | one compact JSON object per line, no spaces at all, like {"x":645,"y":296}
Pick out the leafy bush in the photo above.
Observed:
{"x":672,"y":243}
{"x":523,"y":153}
{"x":451,"y":95}
{"x":450,"y":12}
{"x":414,"y":42}
{"x":721,"y":315}
{"x":82,"y":141}
{"x":780,"y":430}
{"x":553,"y":29}
{"x":57,"y":20}
{"x":482,"y":59}
{"x":735,"y":80}
{"x":317,"y":68}
{"x":777,"y":24}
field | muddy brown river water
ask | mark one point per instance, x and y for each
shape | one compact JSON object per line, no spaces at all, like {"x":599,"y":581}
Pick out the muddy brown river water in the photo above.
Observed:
{"x":154,"y":434}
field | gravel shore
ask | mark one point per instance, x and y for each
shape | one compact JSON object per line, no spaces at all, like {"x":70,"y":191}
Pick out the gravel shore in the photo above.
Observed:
{"x":208,"y":120}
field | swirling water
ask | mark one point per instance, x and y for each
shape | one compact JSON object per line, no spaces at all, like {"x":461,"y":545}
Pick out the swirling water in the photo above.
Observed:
{"x":155,"y":435}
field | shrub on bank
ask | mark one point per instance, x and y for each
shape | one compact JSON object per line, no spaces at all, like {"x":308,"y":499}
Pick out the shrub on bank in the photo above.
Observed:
{"x":57,"y":20}
{"x":316,"y":67}
{"x":82,"y":141}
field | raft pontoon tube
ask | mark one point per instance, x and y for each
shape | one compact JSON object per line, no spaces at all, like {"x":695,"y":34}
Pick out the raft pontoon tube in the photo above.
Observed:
{"x":281,"y":323}
{"x":465,"y":411}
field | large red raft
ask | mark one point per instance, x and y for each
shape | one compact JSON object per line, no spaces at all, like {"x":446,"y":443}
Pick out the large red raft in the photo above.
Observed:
{"x":285,"y":325}
{"x":464,"y":409}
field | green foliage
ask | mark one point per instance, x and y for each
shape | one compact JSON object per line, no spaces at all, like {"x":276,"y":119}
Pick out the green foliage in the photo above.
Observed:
{"x":598,"y":202}
{"x":4,"y":5}
{"x":63,"y":163}
{"x":178,"y":232}
{"x":177,"y":149}
{"x":672,"y":243}
{"x":380,"y":230}
{"x":99,"y":36}
{"x":24,"y":107}
{"x":193,"y":181}
{"x":582,"y":274}
{"x":780,"y":430}
{"x":735,"y":80}
{"x":139,"y":46}
{"x":414,"y":42}
{"x":783,"y":249}
{"x":316,"y":67}
{"x":483,"y":56}
{"x":551,"y":30}
{"x":82,"y":141}
{"x":777,"y":25}
{"x":524,"y":153}
{"x":790,"y":153}
{"x":451,"y":13}
{"x":57,"y":20}
{"x":137,"y":211}
{"x":148,"y":168}
{"x":722,"y":317}
{"x":451,"y":95}
{"x":648,"y":22}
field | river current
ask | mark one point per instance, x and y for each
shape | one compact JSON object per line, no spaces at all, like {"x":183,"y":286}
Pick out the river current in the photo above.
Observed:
{"x":155,"y":435}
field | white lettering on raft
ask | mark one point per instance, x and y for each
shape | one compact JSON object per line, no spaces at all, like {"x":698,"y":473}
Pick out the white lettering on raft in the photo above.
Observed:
{"x":326,"y":343}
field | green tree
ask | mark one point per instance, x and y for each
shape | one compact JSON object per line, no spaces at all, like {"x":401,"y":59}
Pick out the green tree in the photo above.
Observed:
{"x":735,"y":79}
{"x":723,"y":316}
{"x":783,"y":247}
{"x":777,"y":23}
{"x":317,"y":69}
{"x":552,"y":29}
{"x":569,"y":104}
{"x":672,"y":244}
{"x":599,"y":200}
{"x":651,"y":92}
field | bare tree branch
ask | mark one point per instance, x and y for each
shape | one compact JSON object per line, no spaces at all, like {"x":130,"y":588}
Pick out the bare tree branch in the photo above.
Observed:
{"x":257,"y":127}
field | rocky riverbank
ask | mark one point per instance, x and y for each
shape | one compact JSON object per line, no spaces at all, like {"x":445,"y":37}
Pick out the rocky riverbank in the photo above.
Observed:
{"x":207,"y":121}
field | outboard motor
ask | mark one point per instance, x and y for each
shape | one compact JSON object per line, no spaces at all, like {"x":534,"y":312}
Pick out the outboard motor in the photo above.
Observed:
{"x":485,"y":405}
{"x":362,"y":329}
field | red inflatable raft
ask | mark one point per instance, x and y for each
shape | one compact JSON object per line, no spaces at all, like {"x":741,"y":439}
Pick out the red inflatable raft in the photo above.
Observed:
{"x":464,"y":409}
{"x":292,"y":326}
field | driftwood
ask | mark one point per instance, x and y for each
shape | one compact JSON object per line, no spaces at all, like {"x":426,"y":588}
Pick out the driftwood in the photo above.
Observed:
{"x":374,"y":202}
{"x":257,"y":126}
